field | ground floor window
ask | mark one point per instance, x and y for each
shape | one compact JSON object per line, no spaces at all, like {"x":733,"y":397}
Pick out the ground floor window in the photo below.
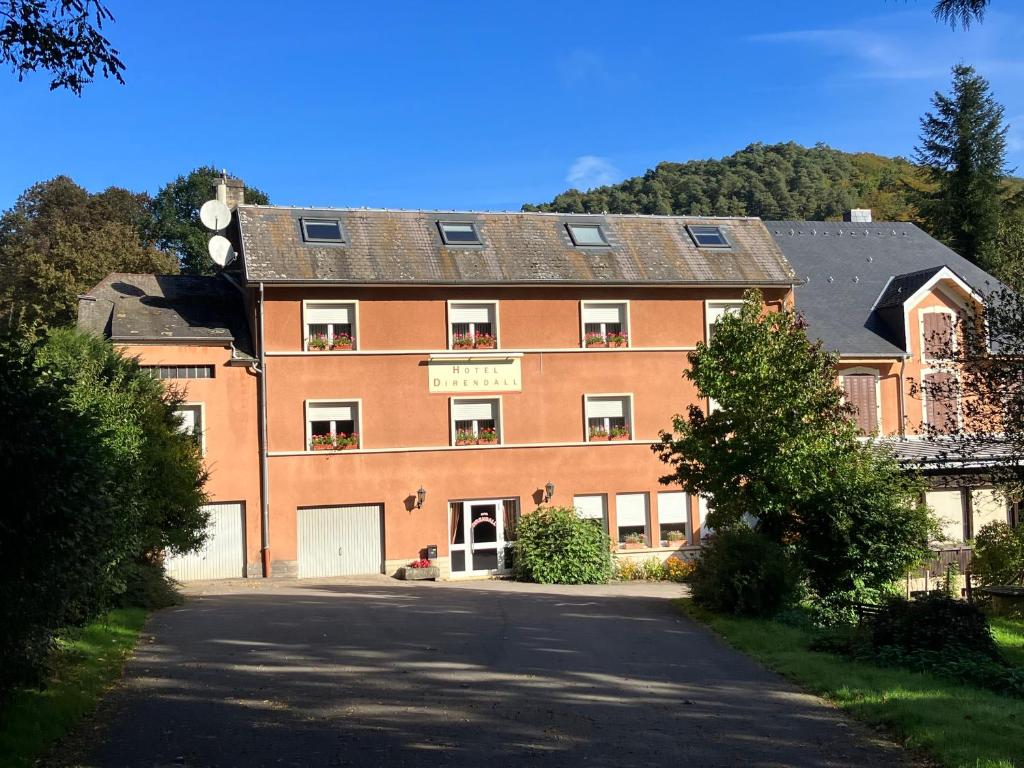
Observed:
{"x":673,"y":515}
{"x":593,"y":507}
{"x":632,"y":519}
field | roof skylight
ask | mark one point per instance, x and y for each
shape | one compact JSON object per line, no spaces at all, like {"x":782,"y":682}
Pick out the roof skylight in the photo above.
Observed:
{"x":459,"y":232}
{"x":586,"y":234}
{"x":707,"y":236}
{"x":322,"y":231}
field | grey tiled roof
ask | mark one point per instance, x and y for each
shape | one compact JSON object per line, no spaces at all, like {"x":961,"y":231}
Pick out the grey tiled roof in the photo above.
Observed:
{"x":844,"y":269}
{"x":405,"y":247}
{"x":139,"y":308}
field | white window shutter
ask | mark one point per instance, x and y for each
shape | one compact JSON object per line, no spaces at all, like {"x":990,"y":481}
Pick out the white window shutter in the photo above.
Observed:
{"x":631,"y":509}
{"x":332,"y":412}
{"x":601,"y":407}
{"x":472,"y":313}
{"x":467,"y":410}
{"x":672,"y":507}
{"x":589,"y":507}
{"x":323,"y":313}
{"x":603,"y":313}
{"x":188,"y":420}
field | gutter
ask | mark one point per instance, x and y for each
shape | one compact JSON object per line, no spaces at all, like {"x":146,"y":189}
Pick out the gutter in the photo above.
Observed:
{"x":264,"y":469}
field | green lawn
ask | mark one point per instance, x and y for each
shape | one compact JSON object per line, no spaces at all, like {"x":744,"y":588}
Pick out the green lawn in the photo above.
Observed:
{"x":959,"y":726}
{"x":84,"y":668}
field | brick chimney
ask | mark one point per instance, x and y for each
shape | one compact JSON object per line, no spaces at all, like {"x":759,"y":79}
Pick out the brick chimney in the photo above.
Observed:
{"x":858,"y":215}
{"x":229,"y":190}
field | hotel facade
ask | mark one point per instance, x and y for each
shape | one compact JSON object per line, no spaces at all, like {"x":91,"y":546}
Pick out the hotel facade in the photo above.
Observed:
{"x":373,"y":386}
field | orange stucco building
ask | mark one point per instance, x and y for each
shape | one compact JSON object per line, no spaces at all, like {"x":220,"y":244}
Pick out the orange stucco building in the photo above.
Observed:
{"x":372,"y":387}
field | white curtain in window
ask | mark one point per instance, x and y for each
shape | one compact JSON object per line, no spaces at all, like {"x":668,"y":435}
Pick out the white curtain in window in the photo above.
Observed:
{"x":602,"y":313}
{"x":467,"y":410}
{"x":318,"y":314}
{"x":631,"y":509}
{"x":672,"y":507}
{"x":471,"y":313}
{"x":589,"y":507}
{"x":601,"y":407}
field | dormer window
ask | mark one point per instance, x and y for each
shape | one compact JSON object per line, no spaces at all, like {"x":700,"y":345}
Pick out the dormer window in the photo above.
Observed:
{"x":707,"y":236}
{"x":587,"y":235}
{"x":322,"y":231}
{"x":459,"y":233}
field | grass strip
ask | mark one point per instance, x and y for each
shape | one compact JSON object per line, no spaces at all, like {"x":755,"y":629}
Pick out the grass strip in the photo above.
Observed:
{"x":84,"y":667}
{"x":956,"y":725}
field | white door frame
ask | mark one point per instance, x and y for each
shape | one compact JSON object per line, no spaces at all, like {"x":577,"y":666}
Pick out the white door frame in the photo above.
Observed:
{"x":467,"y":536}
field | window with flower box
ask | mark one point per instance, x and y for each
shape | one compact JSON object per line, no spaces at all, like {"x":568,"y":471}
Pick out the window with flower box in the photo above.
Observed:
{"x":476,"y":421}
{"x":472,"y":325}
{"x":609,"y":417}
{"x":330,"y":326}
{"x":605,"y":324}
{"x":673,"y":516}
{"x":632,"y":520}
{"x":332,"y":426}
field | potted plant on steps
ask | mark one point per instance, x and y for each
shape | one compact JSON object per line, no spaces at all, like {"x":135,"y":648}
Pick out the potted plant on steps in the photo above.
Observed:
{"x":418,"y":570}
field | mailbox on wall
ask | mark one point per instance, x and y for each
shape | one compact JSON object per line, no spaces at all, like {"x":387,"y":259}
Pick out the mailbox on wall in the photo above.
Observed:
{"x":431,"y":551}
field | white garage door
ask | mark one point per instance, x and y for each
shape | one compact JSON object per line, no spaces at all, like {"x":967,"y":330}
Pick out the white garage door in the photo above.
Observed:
{"x":340,"y":541}
{"x":223,"y":555}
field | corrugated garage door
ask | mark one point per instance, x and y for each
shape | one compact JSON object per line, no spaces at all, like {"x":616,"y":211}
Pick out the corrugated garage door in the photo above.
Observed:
{"x":340,"y":541}
{"x":223,"y":555}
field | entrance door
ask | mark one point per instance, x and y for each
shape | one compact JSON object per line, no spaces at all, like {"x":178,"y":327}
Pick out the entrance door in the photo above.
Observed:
{"x":478,"y":538}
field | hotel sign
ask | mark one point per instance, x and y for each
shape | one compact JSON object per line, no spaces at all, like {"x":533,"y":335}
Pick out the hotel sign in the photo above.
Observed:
{"x":475,"y":374}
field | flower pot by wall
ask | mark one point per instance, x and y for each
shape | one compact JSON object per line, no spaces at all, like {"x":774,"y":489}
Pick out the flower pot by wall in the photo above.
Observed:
{"x":618,"y":437}
{"x":323,"y":447}
{"x":418,"y":574}
{"x":485,"y":345}
{"x":337,"y":347}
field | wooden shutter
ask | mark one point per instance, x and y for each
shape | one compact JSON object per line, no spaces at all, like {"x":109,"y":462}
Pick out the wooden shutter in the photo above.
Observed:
{"x":940,"y":401}
{"x":860,"y":389}
{"x":938,"y":335}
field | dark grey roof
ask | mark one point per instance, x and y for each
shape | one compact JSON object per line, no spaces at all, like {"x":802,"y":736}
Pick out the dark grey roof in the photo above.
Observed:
{"x":405,"y":247}
{"x":139,"y":308}
{"x":902,"y":287}
{"x":846,"y":267}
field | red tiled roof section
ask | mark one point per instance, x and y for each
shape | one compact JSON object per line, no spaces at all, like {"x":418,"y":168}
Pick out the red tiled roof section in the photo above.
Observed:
{"x":396,"y":247}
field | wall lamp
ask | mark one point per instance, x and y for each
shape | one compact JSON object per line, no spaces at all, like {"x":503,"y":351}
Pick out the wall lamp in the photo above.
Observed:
{"x":421,"y":496}
{"x":549,"y":490}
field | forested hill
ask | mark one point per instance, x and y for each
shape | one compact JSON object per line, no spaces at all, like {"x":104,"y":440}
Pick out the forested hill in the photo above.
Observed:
{"x":773,"y":181}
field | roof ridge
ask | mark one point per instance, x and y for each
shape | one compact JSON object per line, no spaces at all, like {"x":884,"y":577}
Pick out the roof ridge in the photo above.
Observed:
{"x":477,"y":212}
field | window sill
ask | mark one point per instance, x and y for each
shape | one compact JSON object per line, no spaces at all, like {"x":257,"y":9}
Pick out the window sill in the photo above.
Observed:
{"x":429,"y":448}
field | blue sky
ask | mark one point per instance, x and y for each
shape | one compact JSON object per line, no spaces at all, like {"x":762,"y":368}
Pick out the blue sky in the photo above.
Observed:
{"x":490,"y":105}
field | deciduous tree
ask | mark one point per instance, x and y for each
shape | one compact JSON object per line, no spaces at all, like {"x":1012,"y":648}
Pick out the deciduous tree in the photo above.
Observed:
{"x":781,"y":450}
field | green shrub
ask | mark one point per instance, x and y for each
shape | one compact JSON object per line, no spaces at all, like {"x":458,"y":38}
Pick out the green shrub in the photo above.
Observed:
{"x":652,"y":569}
{"x":999,"y":555}
{"x":554,"y":546}
{"x":148,"y":586}
{"x":933,"y":623}
{"x":742,"y":572}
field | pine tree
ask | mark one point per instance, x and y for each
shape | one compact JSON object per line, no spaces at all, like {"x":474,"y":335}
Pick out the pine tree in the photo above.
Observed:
{"x":963,"y":151}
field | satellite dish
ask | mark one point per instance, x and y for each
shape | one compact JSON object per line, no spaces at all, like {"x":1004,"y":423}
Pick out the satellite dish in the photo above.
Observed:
{"x":221,"y":250}
{"x":215,"y":215}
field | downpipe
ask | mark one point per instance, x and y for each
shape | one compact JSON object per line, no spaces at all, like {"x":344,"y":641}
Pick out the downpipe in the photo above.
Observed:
{"x":264,"y":469}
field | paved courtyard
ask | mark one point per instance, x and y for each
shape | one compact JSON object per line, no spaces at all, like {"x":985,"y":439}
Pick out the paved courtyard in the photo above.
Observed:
{"x":380,"y":673}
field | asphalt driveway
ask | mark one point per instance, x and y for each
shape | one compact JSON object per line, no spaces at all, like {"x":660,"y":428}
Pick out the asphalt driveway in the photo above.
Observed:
{"x":379,"y":673}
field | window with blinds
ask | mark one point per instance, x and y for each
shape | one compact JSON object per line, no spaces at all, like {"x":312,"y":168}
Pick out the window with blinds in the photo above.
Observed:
{"x":938,"y":342}
{"x":714,"y":311}
{"x":330,"y":326}
{"x":593,"y":507}
{"x":476,"y":421}
{"x":609,"y":417}
{"x":605,"y":324}
{"x":941,"y":402}
{"x":472,"y":325}
{"x":331,"y":421}
{"x":191,"y":420}
{"x":673,"y":516}
{"x":861,"y":391}
{"x":632,"y":518}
